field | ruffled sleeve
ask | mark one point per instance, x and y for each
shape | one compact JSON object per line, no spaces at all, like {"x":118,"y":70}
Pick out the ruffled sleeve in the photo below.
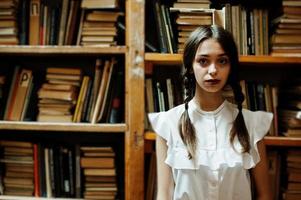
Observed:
{"x":159,"y":124}
{"x":260,"y":127}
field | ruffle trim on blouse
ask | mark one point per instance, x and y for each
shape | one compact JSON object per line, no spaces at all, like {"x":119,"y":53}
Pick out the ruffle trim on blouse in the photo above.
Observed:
{"x":178,"y":155}
{"x":178,"y":159}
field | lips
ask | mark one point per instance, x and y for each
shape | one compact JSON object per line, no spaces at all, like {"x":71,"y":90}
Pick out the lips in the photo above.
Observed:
{"x":212,"y":81}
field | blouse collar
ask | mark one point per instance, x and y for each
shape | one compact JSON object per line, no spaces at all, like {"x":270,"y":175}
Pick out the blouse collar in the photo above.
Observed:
{"x":215,"y":112}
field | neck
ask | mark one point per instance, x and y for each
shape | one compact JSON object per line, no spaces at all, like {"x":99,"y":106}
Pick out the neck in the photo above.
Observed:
{"x":208,"y":101}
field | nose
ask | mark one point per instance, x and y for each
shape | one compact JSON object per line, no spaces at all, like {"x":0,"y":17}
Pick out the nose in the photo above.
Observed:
{"x":212,"y":69}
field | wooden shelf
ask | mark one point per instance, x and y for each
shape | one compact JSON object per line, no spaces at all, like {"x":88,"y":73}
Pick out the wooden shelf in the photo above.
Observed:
{"x":163,"y":58}
{"x":149,"y":135}
{"x":33,"y":198}
{"x":282,"y":141}
{"x":62,"y":127}
{"x":169,"y":59}
{"x":268,"y":140}
{"x":56,"y":50}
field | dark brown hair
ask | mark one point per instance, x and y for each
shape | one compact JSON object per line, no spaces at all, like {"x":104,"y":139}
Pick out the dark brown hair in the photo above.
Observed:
{"x":225,"y":39}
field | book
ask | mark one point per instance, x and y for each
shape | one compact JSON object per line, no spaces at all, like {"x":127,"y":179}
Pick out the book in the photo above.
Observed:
{"x":99,"y":172}
{"x":12,"y":143}
{"x":23,"y":85}
{"x":100,"y":162}
{"x":96,"y":4}
{"x":101,"y":91}
{"x":65,"y":71}
{"x":34,"y":22}
{"x":54,"y":118}
{"x":57,"y":94}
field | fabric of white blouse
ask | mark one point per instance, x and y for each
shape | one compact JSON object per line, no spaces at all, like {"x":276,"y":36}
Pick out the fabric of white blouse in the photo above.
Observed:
{"x":218,"y":171}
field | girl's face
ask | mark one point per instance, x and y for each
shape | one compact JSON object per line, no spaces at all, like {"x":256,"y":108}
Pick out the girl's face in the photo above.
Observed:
{"x":211,"y":67}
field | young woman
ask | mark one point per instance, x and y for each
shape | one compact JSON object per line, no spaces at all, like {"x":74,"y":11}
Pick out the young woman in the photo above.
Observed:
{"x":206,"y":146}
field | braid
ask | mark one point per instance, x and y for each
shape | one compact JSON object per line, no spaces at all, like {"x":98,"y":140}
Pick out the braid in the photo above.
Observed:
{"x":187,"y":131}
{"x":239,"y":127}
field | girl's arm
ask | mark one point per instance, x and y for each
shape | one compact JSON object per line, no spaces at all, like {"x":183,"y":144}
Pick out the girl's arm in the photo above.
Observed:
{"x":261,"y":176}
{"x":165,"y":184}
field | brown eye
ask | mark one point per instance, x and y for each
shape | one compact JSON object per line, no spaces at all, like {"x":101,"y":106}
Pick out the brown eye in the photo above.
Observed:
{"x":203,"y":61}
{"x":223,"y":61}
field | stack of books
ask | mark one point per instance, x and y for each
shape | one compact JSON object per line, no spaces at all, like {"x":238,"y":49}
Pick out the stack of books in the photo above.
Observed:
{"x":98,"y":25}
{"x":294,"y":125}
{"x":8,"y":22}
{"x":290,"y":110}
{"x":98,"y":165}
{"x":58,"y":96}
{"x":286,"y":40}
{"x":18,"y":177}
{"x":190,"y":15}
{"x":293,"y":190}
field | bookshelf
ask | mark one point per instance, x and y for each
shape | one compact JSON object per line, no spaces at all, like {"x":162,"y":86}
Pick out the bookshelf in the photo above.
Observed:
{"x":131,"y":131}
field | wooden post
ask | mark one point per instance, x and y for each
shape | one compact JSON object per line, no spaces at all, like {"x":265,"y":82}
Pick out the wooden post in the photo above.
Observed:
{"x":134,"y":140}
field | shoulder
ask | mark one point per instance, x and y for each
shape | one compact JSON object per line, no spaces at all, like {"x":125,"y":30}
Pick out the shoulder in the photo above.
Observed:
{"x":253,"y":119}
{"x":257,"y":119}
{"x":172,"y":114}
{"x":163,"y":122}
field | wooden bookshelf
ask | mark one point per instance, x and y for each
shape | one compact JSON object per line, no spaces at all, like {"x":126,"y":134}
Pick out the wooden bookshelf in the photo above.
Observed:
{"x":62,"y":127}
{"x":55,"y":50}
{"x":268,"y":140}
{"x":132,"y":181}
{"x":170,"y":59}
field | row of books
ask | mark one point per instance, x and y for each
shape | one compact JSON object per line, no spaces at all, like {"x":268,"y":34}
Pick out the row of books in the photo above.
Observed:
{"x":67,"y":94}
{"x":175,"y":23}
{"x":40,"y":170}
{"x":249,"y":27}
{"x":55,"y":22}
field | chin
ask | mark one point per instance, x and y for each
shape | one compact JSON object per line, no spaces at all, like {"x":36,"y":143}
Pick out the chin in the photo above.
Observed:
{"x":212,"y":90}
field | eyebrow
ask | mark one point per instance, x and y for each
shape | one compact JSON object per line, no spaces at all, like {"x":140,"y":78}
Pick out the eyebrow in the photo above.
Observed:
{"x":206,"y":55}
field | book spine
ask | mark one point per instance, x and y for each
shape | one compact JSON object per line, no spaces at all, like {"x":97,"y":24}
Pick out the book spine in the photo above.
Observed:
{"x":36,"y":171}
{"x":34,"y":22}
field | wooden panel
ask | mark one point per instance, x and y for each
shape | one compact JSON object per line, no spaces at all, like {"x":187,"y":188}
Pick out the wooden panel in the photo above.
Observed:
{"x":134,"y":141}
{"x":66,"y":127}
{"x":53,"y":50}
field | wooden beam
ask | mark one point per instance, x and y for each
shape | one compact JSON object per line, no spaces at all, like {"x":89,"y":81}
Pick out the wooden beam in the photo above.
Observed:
{"x":134,"y":141}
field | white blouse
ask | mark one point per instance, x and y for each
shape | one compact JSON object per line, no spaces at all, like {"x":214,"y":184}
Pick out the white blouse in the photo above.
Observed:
{"x":217,"y":172}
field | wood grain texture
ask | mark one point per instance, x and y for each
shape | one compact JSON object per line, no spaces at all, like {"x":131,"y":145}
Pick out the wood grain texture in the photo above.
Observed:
{"x":65,"y":127}
{"x":134,"y":112}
